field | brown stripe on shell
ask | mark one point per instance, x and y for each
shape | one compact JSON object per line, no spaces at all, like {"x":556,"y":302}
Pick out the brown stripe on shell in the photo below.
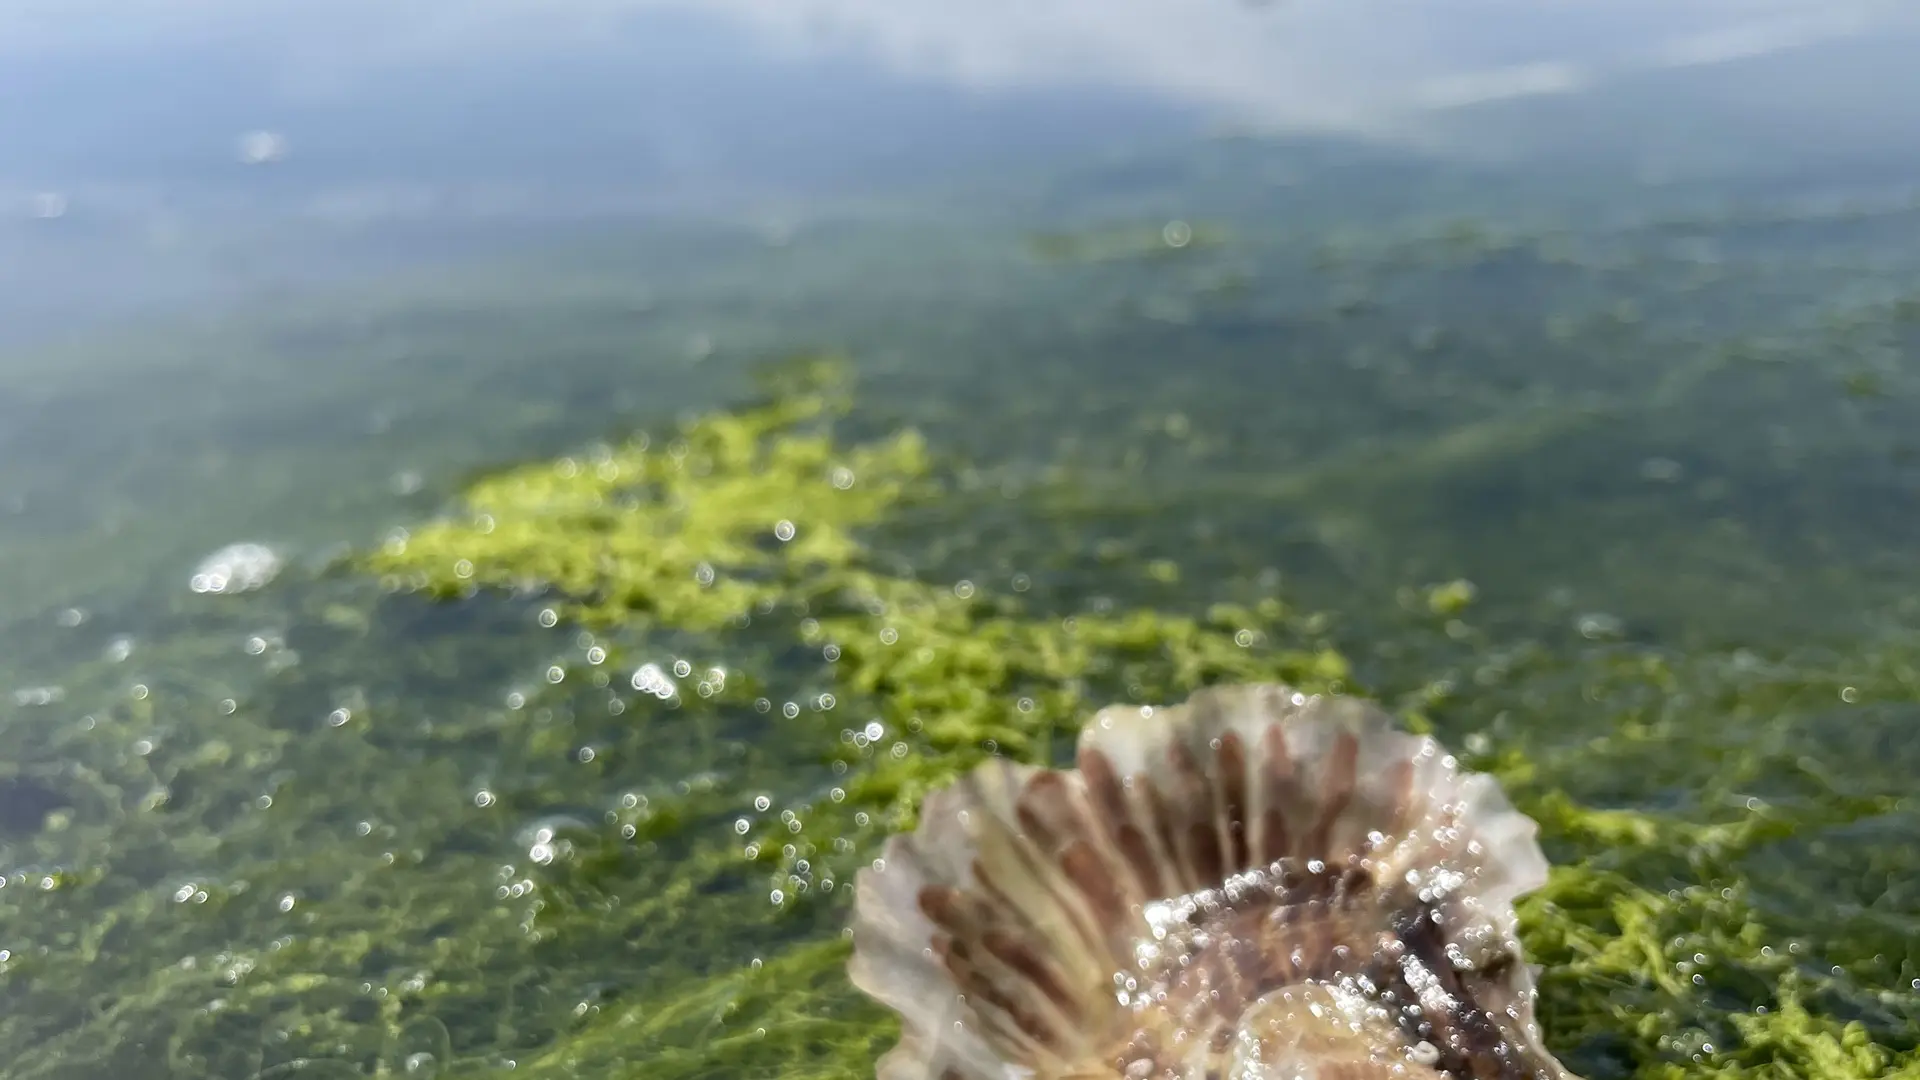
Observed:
{"x":1230,"y":764}
{"x":1276,"y":779}
{"x":1015,"y":1007}
{"x":1176,"y":878}
{"x":1090,"y":872}
{"x":959,"y":961}
{"x":1335,"y":793}
{"x":1061,"y":824}
{"x":1193,"y":829}
{"x":1134,"y":846}
{"x":1114,"y":810}
{"x":995,"y":1012}
{"x":1203,"y":851}
{"x":1044,"y":793}
{"x":1103,"y":784}
{"x":1273,"y":835}
{"x":965,"y":923}
{"x":949,"y":909}
{"x":1041,"y":809}
{"x":1010,"y":911}
{"x":1022,"y":957}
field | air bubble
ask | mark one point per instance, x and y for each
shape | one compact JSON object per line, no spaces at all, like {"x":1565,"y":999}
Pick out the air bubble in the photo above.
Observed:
{"x":650,"y":679}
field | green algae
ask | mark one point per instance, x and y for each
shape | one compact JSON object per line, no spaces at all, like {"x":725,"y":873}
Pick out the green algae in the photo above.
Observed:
{"x":690,"y":534}
{"x":1732,"y":831}
{"x":1657,"y":962}
{"x":700,"y":931}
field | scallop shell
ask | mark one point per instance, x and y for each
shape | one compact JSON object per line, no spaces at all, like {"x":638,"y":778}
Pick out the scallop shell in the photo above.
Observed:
{"x":1258,"y":884}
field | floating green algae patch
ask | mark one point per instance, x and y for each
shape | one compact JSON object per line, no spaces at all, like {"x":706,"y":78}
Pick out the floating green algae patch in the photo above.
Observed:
{"x":692,"y":534}
{"x":1659,"y":961}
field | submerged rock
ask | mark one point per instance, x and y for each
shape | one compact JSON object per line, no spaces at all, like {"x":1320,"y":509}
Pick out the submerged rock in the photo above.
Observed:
{"x":1258,"y":884}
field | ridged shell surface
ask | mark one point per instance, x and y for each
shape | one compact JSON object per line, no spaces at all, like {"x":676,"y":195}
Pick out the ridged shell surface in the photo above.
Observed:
{"x":1258,"y":884}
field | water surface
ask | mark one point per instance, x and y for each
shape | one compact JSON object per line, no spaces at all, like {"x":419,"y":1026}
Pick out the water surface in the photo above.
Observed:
{"x":1535,"y":389}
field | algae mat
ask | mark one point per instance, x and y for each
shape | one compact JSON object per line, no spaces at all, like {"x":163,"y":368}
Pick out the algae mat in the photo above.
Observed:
{"x":742,"y":700}
{"x":568,"y":777}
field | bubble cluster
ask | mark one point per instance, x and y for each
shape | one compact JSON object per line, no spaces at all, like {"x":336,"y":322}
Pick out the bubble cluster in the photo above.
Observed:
{"x":650,"y":679}
{"x":236,"y":568}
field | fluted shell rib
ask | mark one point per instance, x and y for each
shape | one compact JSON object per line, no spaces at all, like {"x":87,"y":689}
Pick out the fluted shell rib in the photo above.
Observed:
{"x":1257,"y":884}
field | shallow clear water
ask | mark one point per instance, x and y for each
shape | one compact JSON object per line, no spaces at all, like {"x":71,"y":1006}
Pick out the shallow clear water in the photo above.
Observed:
{"x":1666,"y":431}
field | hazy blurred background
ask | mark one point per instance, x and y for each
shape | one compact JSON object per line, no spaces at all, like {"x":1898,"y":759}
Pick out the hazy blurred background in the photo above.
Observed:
{"x":165,"y":152}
